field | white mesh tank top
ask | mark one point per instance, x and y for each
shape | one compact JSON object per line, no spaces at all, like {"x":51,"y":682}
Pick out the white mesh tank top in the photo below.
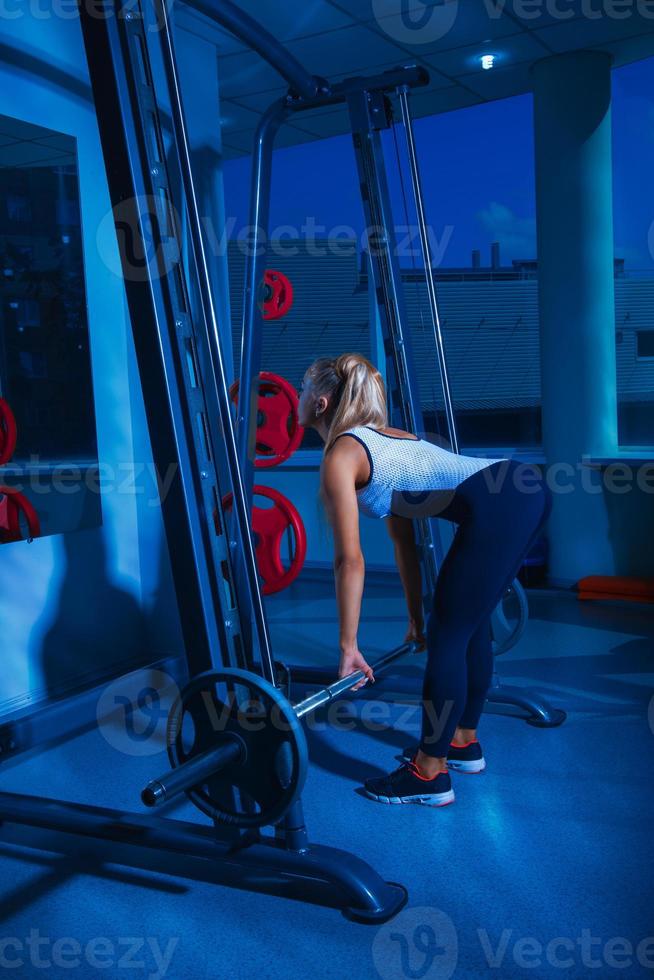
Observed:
{"x":408,"y":476}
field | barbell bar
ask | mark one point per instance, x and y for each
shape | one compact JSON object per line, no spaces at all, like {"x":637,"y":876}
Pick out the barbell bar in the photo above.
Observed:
{"x":208,"y":764}
{"x":192,"y":773}
{"x":335,"y":690}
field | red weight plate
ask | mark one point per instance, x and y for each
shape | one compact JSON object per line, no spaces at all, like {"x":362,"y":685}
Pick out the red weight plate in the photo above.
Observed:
{"x":280,"y":298}
{"x":7,"y":432}
{"x":13,"y":506}
{"x":270,"y":524}
{"x":279,"y":434}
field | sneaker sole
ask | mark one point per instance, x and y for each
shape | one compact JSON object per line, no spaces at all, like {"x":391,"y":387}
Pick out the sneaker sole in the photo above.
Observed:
{"x":467,"y":767}
{"x":430,"y":799}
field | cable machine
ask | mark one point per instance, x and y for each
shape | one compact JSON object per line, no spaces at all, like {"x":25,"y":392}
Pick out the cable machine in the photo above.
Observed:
{"x":368,"y":101}
{"x":242,"y":777}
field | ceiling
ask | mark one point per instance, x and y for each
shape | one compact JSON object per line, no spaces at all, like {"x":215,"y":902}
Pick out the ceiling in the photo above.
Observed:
{"x":340,"y":38}
{"x":25,"y":145}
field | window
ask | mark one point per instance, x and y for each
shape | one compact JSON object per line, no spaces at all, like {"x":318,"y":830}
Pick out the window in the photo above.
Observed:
{"x":18,"y":208}
{"x":633,"y":207}
{"x":28,"y":313}
{"x":67,"y":212}
{"x":315,"y":235}
{"x":483,"y":229}
{"x":484,"y":240}
{"x":645,"y":343}
{"x":32,"y":364}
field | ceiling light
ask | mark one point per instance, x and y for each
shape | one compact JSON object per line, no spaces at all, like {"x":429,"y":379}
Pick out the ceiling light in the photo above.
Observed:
{"x":487,"y":61}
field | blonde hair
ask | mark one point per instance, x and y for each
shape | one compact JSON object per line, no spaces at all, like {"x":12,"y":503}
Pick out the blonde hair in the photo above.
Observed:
{"x":355,"y":390}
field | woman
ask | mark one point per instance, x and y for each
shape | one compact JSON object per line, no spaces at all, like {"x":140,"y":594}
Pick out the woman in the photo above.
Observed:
{"x":391,"y":474}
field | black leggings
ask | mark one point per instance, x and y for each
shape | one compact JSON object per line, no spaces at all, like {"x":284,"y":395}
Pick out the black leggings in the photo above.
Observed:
{"x":500,"y":511}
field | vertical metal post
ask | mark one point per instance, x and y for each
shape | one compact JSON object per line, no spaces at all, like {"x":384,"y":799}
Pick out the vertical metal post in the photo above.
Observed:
{"x":241,"y":508}
{"x":253,"y":322}
{"x":376,"y":336}
{"x":386,"y":281}
{"x":418,"y":197}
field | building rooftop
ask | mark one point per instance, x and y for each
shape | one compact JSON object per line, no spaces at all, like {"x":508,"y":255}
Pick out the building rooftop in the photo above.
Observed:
{"x":490,"y":325}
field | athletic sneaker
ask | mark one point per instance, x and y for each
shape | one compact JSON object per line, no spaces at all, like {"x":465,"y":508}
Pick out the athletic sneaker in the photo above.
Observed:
{"x":406,"y":785}
{"x":468,"y":758}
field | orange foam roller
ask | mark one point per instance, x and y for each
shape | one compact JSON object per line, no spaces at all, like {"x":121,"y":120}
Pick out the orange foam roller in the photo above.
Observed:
{"x":616,"y":587}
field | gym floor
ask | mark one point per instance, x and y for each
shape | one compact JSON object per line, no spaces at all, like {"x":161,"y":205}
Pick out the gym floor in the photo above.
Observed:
{"x":541,"y":868}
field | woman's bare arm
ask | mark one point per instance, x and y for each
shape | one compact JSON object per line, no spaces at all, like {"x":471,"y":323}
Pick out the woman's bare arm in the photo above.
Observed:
{"x":338,"y":488}
{"x":339,"y":495}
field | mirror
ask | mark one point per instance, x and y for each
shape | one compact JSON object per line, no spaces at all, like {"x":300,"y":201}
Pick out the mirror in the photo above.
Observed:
{"x":45,"y":364}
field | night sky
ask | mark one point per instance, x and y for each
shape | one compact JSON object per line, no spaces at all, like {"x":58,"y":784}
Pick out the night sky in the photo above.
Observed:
{"x":478,"y":175}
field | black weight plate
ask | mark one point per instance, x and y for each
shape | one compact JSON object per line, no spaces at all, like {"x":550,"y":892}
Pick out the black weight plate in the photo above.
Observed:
{"x":262,"y":785}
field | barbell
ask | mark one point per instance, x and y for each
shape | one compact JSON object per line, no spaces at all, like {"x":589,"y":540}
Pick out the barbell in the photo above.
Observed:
{"x":243,"y":760}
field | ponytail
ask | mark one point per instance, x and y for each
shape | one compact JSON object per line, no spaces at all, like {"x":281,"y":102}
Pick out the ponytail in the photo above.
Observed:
{"x":356,"y":391}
